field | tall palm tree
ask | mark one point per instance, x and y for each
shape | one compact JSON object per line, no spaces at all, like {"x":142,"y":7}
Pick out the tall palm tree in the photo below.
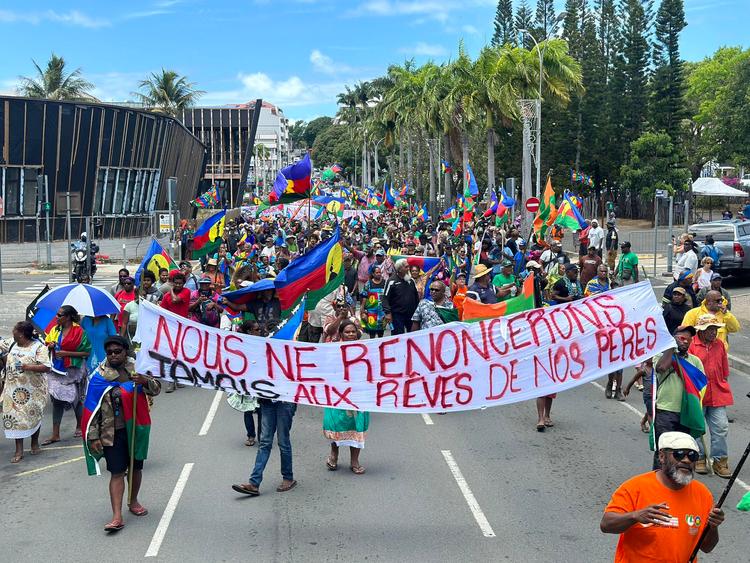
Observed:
{"x":56,"y":83}
{"x":167,"y":92}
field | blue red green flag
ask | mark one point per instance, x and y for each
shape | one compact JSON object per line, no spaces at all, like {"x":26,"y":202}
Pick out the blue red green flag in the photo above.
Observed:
{"x":208,"y":237}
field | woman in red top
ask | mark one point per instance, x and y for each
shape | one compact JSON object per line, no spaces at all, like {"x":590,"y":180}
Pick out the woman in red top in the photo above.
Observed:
{"x":177,"y":299}
{"x":123,"y":297}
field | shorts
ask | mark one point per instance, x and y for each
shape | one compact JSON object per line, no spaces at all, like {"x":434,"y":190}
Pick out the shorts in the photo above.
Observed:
{"x":118,"y":456}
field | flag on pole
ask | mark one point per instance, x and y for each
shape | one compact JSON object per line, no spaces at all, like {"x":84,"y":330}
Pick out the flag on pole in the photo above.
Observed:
{"x":445,"y":167}
{"x":547,"y":212}
{"x":471,"y":182}
{"x":475,"y":311}
{"x":209,"y":199}
{"x":155,"y":259}
{"x":289,"y":328}
{"x":208,"y":237}
{"x":568,"y":215}
{"x":292,"y":182}
{"x":695,"y":382}
{"x":494,"y":202}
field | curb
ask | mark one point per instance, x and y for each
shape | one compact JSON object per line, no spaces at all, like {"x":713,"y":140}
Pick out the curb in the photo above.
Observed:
{"x":740,"y":365}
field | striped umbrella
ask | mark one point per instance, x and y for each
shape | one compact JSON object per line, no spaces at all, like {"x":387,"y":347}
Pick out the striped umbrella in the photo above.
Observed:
{"x":88,"y":300}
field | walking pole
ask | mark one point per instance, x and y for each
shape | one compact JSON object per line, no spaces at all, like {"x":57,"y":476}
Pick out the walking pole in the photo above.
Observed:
{"x":723,"y":497}
{"x":132,"y":445}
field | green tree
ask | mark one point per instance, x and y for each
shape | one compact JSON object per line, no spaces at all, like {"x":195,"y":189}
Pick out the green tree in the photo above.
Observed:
{"x":56,"y":82}
{"x":654,"y":164}
{"x":296,"y":132}
{"x":315,"y":128}
{"x":667,"y":103}
{"x":545,"y":21}
{"x":635,"y":16}
{"x":167,"y":92}
{"x":505,"y":29}
{"x":525,"y":20}
{"x":734,"y":127}
{"x":334,"y":145}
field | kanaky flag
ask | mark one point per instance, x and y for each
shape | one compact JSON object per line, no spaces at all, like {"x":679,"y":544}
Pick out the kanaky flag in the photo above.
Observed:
{"x":424,"y":263}
{"x":295,"y":184}
{"x":568,"y":215}
{"x":155,"y":259}
{"x":695,"y":382}
{"x":471,"y":182}
{"x":456,"y":227}
{"x":547,"y":213}
{"x":208,"y":237}
{"x":97,"y":388}
{"x":494,"y":202}
{"x":318,"y":272}
{"x":289,"y":328}
{"x":388,"y":199}
{"x":475,"y":311}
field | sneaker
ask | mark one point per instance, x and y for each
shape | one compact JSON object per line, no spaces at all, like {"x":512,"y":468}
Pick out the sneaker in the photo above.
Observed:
{"x":700,"y":466}
{"x":618,"y":395}
{"x":608,"y":390}
{"x":721,"y":468}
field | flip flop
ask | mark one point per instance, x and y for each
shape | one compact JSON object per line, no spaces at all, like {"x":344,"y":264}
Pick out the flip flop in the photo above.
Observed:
{"x":114,"y":526}
{"x":16,"y":458}
{"x":330,"y":464}
{"x":357,"y":469}
{"x":549,"y":424}
{"x":49,"y":442}
{"x":141,"y":511}
{"x":284,"y":488}
{"x":540,"y":428}
{"x":245,"y":491}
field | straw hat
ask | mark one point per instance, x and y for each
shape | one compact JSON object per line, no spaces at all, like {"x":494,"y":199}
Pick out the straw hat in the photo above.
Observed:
{"x":480,"y":270}
{"x":706,"y":321}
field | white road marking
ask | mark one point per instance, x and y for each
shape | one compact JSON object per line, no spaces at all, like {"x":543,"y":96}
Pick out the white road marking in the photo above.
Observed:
{"x":427,"y":419}
{"x":211,"y":413}
{"x":166,"y":518}
{"x":624,"y":404}
{"x":31,"y":471}
{"x":476,"y":510}
{"x":740,"y":482}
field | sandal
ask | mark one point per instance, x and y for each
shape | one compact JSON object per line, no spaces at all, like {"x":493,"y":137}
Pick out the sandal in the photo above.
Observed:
{"x":16,"y":458}
{"x":540,"y":428}
{"x":36,"y":451}
{"x":287,"y":486}
{"x":331,"y":464}
{"x":548,"y":423}
{"x":138,"y":510}
{"x":250,"y":442}
{"x":357,"y":469}
{"x":78,"y":433}
{"x":645,"y":426}
{"x":50,"y":441}
{"x":114,"y":526}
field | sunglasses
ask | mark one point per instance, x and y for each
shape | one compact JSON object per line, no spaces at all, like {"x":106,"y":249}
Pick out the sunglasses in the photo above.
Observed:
{"x":115,"y":351}
{"x":61,"y":315}
{"x":692,"y":455}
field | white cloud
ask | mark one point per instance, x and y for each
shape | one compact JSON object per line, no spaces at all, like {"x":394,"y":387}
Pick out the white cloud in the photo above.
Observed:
{"x":146,"y":14}
{"x":325,"y":64}
{"x":440,"y":10}
{"x":470,"y":29}
{"x":115,"y":86}
{"x":423,"y":49}
{"x":74,"y":18}
{"x":8,"y":87}
{"x":289,"y":92}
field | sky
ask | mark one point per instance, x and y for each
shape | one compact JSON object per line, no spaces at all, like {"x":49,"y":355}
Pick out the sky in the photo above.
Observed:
{"x":297,"y":54}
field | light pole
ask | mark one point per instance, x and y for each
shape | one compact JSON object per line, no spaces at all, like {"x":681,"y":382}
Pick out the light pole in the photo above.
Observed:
{"x":540,"y":52}
{"x":377,"y":174}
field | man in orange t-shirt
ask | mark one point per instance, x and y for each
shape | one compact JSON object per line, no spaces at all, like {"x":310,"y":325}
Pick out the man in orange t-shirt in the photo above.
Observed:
{"x":661,"y":514}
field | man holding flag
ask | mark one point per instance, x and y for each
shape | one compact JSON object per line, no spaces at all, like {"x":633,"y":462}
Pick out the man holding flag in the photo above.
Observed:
{"x":677,"y":395}
{"x":116,"y":424}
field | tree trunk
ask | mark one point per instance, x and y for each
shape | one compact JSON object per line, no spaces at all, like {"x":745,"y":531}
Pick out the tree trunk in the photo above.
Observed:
{"x":419,"y":186}
{"x":365,"y":172}
{"x":490,"y":161}
{"x":433,"y":178}
{"x":401,"y":171}
{"x":579,"y":127}
{"x":448,"y":180}
{"x":409,"y":159}
{"x":465,"y":158}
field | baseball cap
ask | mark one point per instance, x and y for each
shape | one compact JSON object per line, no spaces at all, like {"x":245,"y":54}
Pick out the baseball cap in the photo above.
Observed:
{"x":626,"y":243}
{"x":569,"y":267}
{"x":205,"y":279}
{"x":679,"y":290}
{"x":716,"y":276}
{"x":677,"y":441}
{"x":685,"y":328}
{"x":380,"y":252}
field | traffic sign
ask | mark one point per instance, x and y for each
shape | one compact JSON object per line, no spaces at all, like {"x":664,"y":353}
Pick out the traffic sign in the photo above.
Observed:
{"x":664,"y":194}
{"x":532,"y":204}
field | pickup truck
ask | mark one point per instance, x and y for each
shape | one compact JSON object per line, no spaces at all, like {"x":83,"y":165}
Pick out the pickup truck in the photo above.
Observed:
{"x":733,"y":238}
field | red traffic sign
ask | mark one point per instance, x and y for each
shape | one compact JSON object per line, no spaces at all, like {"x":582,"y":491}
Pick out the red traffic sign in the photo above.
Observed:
{"x":532,"y":204}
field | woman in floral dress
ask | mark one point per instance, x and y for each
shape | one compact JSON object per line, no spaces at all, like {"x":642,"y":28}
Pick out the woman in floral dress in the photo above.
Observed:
{"x":25,"y":391}
{"x":371,"y":311}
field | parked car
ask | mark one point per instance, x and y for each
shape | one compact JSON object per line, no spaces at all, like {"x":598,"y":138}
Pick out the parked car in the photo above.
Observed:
{"x":745,"y":182}
{"x":733,"y":238}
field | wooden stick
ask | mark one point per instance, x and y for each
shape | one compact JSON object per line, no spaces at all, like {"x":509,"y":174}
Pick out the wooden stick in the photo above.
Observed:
{"x":132,"y":445}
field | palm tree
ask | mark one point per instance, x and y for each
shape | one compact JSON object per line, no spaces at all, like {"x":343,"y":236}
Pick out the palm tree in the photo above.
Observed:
{"x":55,"y":83}
{"x":167,"y":92}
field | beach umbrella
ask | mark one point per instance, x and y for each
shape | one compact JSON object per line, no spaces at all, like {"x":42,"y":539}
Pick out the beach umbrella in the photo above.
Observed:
{"x":88,"y":300}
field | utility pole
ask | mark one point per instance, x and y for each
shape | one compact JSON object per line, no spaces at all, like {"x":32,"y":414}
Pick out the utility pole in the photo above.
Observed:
{"x":47,"y":209}
{"x":68,"y":227}
{"x":171,"y":185}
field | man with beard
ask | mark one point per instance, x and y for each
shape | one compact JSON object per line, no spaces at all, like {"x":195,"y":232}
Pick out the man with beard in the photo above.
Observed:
{"x":660,"y":515}
{"x":400,"y":299}
{"x":670,"y":387}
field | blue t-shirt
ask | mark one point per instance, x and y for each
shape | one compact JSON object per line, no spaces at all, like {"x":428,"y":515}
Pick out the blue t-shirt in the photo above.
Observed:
{"x":97,"y":334}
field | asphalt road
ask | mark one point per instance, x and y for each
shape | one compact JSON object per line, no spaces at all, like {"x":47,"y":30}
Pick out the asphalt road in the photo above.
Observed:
{"x":542,"y":494}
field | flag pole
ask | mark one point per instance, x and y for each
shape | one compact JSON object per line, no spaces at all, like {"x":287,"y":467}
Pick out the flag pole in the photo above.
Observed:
{"x":723,"y":497}
{"x":132,"y":445}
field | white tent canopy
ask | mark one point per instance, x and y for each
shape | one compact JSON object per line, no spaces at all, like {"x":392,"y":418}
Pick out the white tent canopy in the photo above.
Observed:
{"x":715,"y":187}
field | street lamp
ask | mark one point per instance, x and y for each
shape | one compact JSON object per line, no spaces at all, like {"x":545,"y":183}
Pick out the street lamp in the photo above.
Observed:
{"x":540,"y":52}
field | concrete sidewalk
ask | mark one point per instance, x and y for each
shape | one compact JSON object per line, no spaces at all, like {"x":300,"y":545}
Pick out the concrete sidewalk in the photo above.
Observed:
{"x":116,"y":251}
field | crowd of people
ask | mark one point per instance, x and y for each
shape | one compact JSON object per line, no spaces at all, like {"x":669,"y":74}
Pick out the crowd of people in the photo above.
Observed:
{"x":384,"y":291}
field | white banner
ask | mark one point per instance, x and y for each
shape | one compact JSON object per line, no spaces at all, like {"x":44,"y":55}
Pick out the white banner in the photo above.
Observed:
{"x":458,"y":366}
{"x":361,"y":214}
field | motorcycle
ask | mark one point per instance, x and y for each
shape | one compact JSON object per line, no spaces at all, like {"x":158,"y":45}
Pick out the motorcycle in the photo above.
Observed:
{"x":78,"y":257}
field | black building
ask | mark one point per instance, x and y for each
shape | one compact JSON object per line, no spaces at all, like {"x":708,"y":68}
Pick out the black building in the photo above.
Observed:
{"x":116,"y":158}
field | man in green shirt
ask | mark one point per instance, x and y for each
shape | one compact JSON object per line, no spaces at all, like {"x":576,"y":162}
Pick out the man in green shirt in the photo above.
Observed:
{"x":505,"y":282}
{"x":670,"y":387}
{"x":626,"y":272}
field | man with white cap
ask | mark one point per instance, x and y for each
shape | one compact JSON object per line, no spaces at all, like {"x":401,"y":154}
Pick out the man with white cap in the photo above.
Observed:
{"x":660,"y":515}
{"x":596,"y":237}
{"x":713,"y":355}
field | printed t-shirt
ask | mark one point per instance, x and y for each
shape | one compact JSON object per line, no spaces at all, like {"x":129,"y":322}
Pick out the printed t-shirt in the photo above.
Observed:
{"x":689,"y":508}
